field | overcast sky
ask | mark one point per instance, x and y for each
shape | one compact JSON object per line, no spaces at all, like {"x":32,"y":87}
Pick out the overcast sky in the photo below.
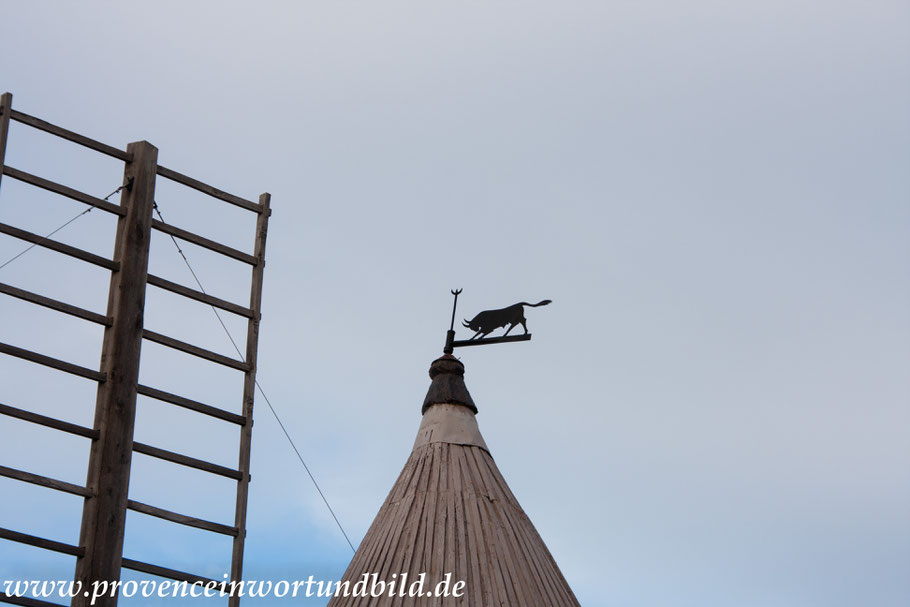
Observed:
{"x":715,"y":409}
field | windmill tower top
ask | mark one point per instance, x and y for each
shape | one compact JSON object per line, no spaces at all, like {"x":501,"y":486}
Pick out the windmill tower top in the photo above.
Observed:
{"x":452,"y":512}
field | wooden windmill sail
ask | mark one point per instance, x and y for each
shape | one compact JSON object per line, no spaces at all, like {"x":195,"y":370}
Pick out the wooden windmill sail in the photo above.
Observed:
{"x":451,"y":511}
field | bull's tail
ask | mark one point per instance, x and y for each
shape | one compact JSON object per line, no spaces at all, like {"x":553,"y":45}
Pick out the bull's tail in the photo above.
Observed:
{"x":543,"y":302}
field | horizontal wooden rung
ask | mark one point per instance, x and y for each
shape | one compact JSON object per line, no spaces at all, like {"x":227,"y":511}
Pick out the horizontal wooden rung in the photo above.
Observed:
{"x":173,"y":574}
{"x":54,"y":245}
{"x":207,"y":189}
{"x":184,"y":460}
{"x":193,"y":405}
{"x":63,"y":190}
{"x":44,"y":481}
{"x":53,"y":363}
{"x":179,"y":289}
{"x":53,"y":304}
{"x":170,"y":342}
{"x":204,"y":242}
{"x":53,"y":129}
{"x":182,"y":519}
{"x":40,"y":542}
{"x":50,"y":422}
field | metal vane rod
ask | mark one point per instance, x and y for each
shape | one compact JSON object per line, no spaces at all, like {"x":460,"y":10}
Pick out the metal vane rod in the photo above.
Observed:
{"x":450,"y":334}
{"x":454,"y":305}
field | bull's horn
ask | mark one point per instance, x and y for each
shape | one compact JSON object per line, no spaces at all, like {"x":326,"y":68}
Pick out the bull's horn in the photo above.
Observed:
{"x":465,"y":324}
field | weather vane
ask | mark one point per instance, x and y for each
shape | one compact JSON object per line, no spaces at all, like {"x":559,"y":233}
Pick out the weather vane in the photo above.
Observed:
{"x":488,"y":321}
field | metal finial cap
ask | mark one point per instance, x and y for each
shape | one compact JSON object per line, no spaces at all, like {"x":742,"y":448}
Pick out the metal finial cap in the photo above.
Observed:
{"x":448,"y":385}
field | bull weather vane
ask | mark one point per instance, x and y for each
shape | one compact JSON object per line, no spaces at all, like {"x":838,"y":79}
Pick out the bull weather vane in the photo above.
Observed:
{"x":488,"y":321}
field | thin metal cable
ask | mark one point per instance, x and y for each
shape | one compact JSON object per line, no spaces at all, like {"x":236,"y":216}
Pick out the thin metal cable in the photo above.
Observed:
{"x":45,"y":237}
{"x":261,"y":391}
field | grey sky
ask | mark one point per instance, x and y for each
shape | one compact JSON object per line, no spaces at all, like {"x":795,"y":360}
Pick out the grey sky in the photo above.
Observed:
{"x":716,"y":196}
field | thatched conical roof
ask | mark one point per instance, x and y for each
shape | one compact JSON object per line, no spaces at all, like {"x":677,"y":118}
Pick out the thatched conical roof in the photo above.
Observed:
{"x":451,"y":511}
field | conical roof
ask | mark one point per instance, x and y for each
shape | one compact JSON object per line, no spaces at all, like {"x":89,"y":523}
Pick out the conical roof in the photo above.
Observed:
{"x":451,"y":511}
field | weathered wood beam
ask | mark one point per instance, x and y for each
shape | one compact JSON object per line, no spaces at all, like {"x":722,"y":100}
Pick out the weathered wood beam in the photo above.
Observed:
{"x":183,"y":346}
{"x":44,"y":481}
{"x":47,"y":127}
{"x":49,"y":422}
{"x":207,"y":189}
{"x":173,"y":574}
{"x":211,"y":245}
{"x":192,"y":405}
{"x":249,"y":393}
{"x":104,"y":515}
{"x":47,"y":243}
{"x":53,"y":363}
{"x":6,"y":108}
{"x":179,"y":289}
{"x":184,"y":460}
{"x":40,"y":542}
{"x":56,"y":188}
{"x":53,"y":304}
{"x":182,"y":519}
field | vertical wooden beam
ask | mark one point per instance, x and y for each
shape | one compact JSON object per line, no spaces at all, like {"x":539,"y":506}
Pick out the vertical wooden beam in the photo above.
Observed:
{"x":249,"y":392}
{"x":6,"y":106}
{"x":104,"y":516}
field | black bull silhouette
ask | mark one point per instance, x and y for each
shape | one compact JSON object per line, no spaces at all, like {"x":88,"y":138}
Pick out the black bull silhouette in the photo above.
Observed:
{"x":490,"y":320}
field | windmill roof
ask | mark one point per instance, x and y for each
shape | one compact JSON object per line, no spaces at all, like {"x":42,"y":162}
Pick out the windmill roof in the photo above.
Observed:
{"x":451,"y":511}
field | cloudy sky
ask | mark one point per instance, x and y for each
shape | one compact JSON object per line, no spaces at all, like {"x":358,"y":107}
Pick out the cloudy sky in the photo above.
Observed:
{"x":713,"y":412}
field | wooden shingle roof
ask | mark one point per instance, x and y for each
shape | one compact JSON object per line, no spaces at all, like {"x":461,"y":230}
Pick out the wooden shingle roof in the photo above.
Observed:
{"x":451,"y":511}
